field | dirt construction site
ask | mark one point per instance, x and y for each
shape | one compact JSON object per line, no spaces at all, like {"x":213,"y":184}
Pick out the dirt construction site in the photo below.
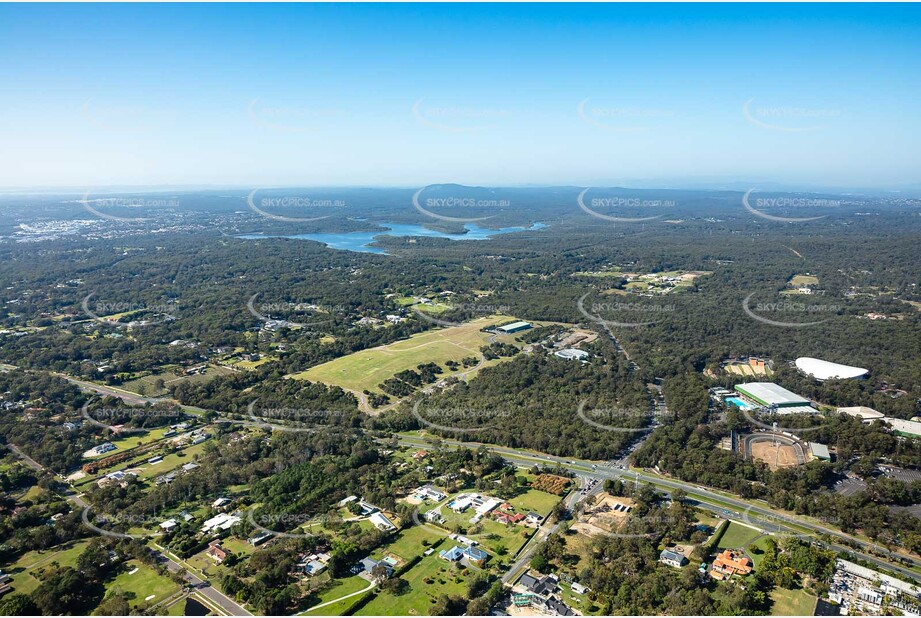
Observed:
{"x":606,"y":515}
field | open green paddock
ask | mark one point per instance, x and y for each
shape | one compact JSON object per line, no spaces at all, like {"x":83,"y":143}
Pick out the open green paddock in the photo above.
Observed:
{"x":796,"y":602}
{"x":32,"y":562}
{"x":142,"y":584}
{"x":366,"y":369}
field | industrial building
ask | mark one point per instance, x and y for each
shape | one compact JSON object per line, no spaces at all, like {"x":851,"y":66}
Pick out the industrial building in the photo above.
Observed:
{"x":514,"y":327}
{"x":903,"y":427}
{"x":865,"y":414}
{"x":774,"y":396}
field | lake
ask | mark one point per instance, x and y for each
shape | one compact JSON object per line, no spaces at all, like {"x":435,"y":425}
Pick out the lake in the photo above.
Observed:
{"x":361,"y":241}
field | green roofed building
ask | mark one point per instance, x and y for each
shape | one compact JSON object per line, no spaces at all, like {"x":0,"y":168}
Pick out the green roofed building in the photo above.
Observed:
{"x":514,"y":327}
{"x":770,"y":394}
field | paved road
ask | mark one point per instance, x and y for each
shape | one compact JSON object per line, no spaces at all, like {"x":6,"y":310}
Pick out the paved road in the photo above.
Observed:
{"x":767,"y":518}
{"x":527,"y":551}
{"x":25,"y":458}
{"x":204,"y":587}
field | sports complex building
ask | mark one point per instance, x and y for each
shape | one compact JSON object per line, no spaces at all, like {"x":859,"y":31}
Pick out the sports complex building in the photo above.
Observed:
{"x":770,"y":395}
{"x":824,"y":370}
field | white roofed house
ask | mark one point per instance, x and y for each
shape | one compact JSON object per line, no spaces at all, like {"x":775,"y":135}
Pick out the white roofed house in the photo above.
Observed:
{"x":487,"y":506}
{"x":461,"y":504}
{"x":381,"y":522}
{"x":224,"y":521}
{"x":345,"y":501}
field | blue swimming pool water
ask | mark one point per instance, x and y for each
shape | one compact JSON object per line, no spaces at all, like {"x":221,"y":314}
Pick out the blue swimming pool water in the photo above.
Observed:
{"x":739,"y":403}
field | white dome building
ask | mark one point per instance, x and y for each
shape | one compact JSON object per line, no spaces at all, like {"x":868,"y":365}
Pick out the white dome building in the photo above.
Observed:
{"x":824,"y":370}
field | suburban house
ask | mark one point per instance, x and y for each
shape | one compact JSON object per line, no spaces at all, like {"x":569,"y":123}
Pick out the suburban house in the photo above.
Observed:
{"x":558,"y":608}
{"x":541,"y":593}
{"x":169,"y":524}
{"x":314,"y":567}
{"x":578,"y":588}
{"x":477,"y":556}
{"x":672,"y":558}
{"x":345,"y":501}
{"x":452,"y":555}
{"x":220,"y":502}
{"x":547,"y":584}
{"x":259,"y":539}
{"x":367,"y":565}
{"x":220,"y":522}
{"x":430,"y":492}
{"x":381,"y":522}
{"x":728,"y":563}
{"x":433,"y":516}
{"x":461,"y":504}
{"x":509,"y":518}
{"x":216,"y":552}
{"x":534,"y":518}
{"x":367,"y":508}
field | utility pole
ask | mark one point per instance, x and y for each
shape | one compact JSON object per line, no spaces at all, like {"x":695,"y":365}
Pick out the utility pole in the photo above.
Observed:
{"x":776,"y":446}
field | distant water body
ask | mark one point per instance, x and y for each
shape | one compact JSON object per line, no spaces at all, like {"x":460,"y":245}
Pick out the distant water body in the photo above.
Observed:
{"x":361,"y":241}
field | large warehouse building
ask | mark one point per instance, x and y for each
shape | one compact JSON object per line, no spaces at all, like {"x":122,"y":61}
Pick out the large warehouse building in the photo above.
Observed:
{"x":772,"y":395}
{"x":824,"y":370}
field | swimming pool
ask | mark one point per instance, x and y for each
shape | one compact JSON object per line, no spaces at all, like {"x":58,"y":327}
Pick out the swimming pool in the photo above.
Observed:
{"x":739,"y":403}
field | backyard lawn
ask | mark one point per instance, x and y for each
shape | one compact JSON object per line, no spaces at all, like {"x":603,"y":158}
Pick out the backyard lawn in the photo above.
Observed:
{"x":409,"y":542}
{"x":445,"y":578}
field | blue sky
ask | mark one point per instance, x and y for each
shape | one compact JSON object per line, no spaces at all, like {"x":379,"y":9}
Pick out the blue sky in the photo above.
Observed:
{"x":270,"y":95}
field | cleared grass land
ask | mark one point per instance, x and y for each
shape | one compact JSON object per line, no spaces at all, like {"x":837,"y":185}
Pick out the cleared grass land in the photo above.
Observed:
{"x":147,"y":385}
{"x":535,"y":500}
{"x":737,"y":536}
{"x":366,"y":369}
{"x":142,"y":584}
{"x":796,"y":602}
{"x":30,"y":564}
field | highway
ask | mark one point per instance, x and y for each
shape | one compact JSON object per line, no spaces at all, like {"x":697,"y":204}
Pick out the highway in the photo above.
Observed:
{"x":769,"y":519}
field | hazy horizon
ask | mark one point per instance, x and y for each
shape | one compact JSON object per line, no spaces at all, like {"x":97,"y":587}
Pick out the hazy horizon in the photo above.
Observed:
{"x":492,"y":95}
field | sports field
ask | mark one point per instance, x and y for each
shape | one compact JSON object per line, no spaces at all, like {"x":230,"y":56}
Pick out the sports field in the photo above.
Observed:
{"x":801,"y":280}
{"x":368,"y":368}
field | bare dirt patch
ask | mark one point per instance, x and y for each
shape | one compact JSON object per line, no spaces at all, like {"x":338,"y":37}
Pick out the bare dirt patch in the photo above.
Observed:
{"x":780,"y":456}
